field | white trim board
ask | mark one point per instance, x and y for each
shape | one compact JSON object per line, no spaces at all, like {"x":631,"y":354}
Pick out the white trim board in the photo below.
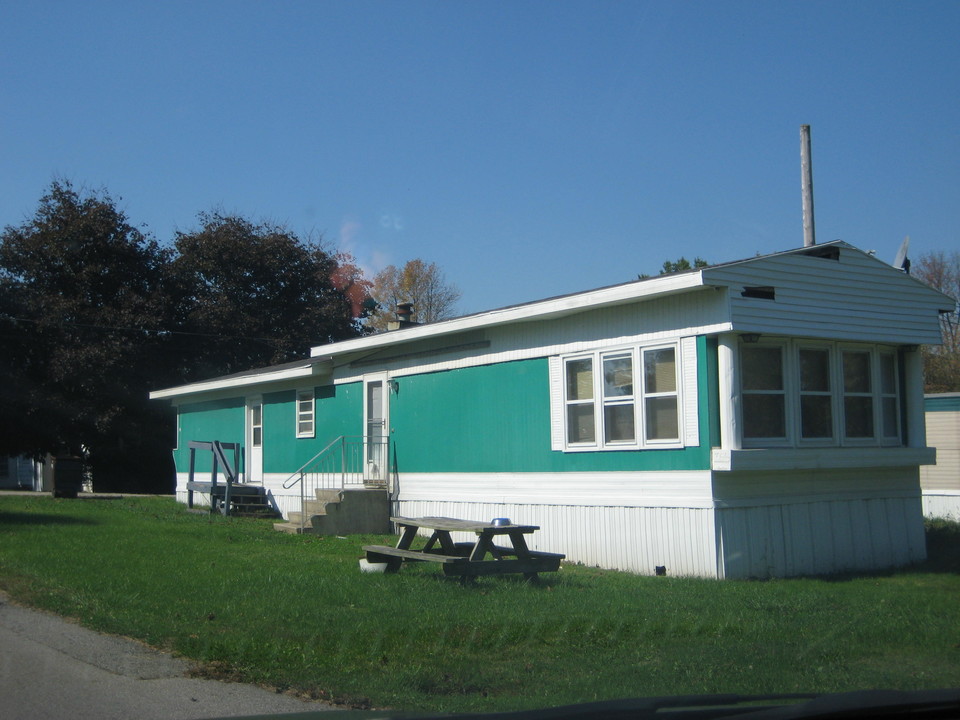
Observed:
{"x":687,"y":489}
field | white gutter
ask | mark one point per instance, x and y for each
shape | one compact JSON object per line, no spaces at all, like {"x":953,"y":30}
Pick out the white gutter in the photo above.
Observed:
{"x":233,"y":381}
{"x":541,"y":310}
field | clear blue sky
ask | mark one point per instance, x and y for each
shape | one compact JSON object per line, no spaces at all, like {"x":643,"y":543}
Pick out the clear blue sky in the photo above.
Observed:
{"x":529,"y":148}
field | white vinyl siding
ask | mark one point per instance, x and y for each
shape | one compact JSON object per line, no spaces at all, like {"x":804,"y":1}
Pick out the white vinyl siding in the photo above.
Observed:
{"x":306,"y":414}
{"x":844,"y":299}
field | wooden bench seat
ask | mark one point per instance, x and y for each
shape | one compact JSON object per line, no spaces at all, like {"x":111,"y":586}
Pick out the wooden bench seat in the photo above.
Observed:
{"x":386,"y":551}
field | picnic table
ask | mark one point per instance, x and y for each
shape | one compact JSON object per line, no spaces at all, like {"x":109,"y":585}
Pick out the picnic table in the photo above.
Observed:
{"x":467,"y":559}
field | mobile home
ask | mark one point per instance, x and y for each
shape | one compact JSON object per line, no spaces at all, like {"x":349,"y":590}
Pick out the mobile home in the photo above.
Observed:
{"x":756,"y":418}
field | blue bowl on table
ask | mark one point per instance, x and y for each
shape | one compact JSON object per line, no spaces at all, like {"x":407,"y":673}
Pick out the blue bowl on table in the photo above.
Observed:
{"x":500,"y":522}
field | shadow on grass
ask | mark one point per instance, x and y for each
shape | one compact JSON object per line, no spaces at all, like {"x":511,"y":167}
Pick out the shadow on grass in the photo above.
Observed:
{"x":18,"y":518}
{"x":484,"y":583}
{"x":943,"y":556}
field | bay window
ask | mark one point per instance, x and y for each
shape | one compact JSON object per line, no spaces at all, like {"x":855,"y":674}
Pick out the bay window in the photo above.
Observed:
{"x":816,"y":394}
{"x":764,"y":397}
{"x":857,"y":395}
{"x":799,"y":393}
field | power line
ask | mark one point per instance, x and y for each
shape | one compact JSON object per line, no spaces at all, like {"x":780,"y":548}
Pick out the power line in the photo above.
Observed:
{"x":146,"y":331}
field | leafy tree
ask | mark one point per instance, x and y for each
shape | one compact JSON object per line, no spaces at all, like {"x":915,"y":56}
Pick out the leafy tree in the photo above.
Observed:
{"x":417,"y":282}
{"x":83,"y":313}
{"x":250,"y":295}
{"x":941,"y":364}
{"x":348,"y":278}
{"x":94,"y":313}
{"x":679,"y":265}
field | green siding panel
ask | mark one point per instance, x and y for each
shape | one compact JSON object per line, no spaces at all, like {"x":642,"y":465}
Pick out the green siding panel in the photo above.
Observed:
{"x":497,"y":419}
{"x":339,"y":411}
{"x":942,"y":403}
{"x":207,"y":421}
{"x":493,"y":418}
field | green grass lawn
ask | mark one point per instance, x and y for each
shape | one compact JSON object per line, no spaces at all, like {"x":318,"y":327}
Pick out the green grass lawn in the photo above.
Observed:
{"x":295,"y":613}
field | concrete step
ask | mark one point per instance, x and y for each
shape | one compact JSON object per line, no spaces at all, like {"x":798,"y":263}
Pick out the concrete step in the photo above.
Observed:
{"x":328,"y":496}
{"x":299,"y":518}
{"x":316,"y":507}
{"x":292,"y":528}
{"x":342,"y":512}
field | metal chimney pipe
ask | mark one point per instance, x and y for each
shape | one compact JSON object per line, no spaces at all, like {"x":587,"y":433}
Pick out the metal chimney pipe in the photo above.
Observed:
{"x":806,"y":186}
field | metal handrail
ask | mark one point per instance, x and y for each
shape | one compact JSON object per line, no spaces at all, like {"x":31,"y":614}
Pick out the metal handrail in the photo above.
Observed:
{"x":359,"y":456}
{"x":298,"y":474}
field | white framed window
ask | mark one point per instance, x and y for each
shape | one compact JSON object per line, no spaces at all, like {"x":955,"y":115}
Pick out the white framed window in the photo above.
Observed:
{"x":889,"y":399}
{"x":306,"y":413}
{"x":764,"y":401}
{"x":661,"y":395}
{"x":620,"y":399}
{"x":256,"y":424}
{"x":815,"y":372}
{"x":858,"y":396}
{"x":619,"y":408}
{"x":581,"y":418}
{"x":799,"y":393}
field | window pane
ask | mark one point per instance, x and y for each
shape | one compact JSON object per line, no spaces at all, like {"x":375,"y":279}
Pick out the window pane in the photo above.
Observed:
{"x":580,"y":379}
{"x":888,"y":374}
{"x":662,"y":418}
{"x":815,"y":370}
{"x":618,"y":376}
{"x":618,"y":423}
{"x":816,"y":416}
{"x":304,"y":427}
{"x":891,"y":428}
{"x":256,"y":415}
{"x":762,"y":368}
{"x":660,"y":370}
{"x":763,"y":416}
{"x":858,"y":416}
{"x":257,"y":436}
{"x":580,"y":425}
{"x":856,"y":372}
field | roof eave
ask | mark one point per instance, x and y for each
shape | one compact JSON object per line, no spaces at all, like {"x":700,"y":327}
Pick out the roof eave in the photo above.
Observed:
{"x":542,"y":310}
{"x":308,"y":369}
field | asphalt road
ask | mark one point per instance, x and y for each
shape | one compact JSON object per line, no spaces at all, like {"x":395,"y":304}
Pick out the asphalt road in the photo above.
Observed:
{"x":51,"y":668}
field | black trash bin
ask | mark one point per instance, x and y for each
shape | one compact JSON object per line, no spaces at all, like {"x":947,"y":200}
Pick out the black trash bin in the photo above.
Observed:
{"x":67,"y":476}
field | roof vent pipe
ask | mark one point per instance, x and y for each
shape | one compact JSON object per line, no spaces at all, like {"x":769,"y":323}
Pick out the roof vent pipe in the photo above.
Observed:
{"x":404,"y":312}
{"x":806,"y":186}
{"x":404,"y":317}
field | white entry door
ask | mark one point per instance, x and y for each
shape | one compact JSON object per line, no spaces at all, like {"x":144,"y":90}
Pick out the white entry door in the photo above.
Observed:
{"x":254,"y":455}
{"x":376,"y":423}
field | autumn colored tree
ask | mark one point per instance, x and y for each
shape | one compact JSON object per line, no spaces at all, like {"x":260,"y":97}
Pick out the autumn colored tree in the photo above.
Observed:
{"x":417,"y":282}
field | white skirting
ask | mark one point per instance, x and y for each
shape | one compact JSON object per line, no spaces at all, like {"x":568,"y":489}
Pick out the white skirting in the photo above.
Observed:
{"x":942,"y":505}
{"x":687,"y":523}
